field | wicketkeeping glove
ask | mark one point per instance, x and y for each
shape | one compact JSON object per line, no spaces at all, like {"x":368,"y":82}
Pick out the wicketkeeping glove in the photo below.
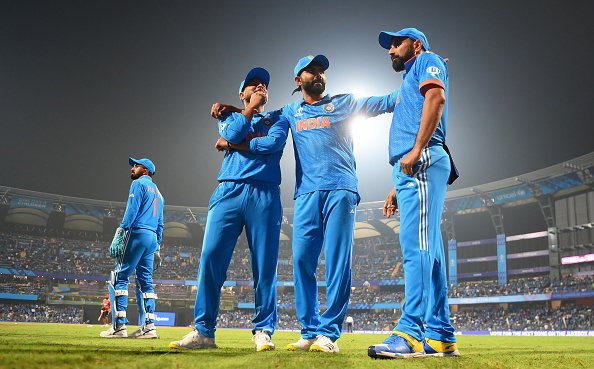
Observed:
{"x":157,"y":258}
{"x":117,"y":245}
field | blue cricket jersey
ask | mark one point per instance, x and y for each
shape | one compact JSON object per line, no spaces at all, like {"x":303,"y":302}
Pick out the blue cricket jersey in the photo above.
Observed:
{"x":145,"y":207}
{"x":323,"y":139}
{"x":265,"y":135}
{"x":425,"y":69}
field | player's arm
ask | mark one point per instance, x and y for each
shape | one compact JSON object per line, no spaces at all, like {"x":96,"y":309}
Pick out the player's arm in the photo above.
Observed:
{"x":273,"y":141}
{"x":160,"y":224}
{"x":433,"y":106}
{"x":218,"y":110}
{"x":234,"y":127}
{"x":134,"y":200}
{"x":375,"y":105}
{"x":222,"y":145}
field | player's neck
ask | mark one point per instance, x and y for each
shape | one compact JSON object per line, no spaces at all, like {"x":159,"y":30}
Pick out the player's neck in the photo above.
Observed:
{"x":312,"y":98}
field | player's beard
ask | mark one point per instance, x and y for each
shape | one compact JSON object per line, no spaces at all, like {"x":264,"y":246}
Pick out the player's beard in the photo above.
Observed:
{"x":399,"y":61}
{"x":135,"y":175}
{"x":315,"y":87}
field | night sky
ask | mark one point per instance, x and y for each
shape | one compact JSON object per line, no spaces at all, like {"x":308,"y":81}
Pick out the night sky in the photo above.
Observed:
{"x":86,"y":84}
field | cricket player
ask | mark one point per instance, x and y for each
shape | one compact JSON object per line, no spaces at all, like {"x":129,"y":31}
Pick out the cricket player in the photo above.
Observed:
{"x":248,"y":196}
{"x":421,"y":172}
{"x":135,"y":246}
{"x":326,"y":197}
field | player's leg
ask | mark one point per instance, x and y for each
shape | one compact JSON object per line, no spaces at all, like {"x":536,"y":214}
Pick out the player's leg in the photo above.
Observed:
{"x":307,"y":246}
{"x":145,"y":295}
{"x":411,"y":192}
{"x":223,"y":226}
{"x":339,"y":228}
{"x":440,"y":339}
{"x":262,"y":225}
{"x":133,"y":250}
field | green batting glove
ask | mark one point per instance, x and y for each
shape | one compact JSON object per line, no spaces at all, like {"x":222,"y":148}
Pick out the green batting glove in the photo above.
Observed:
{"x":117,"y":245}
{"x":157,"y":258}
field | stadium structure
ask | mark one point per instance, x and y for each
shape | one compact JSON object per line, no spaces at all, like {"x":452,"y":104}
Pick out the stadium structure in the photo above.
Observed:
{"x":522,"y":245}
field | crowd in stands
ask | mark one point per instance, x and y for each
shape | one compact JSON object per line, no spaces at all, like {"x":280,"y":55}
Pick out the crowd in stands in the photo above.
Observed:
{"x":372,"y":259}
{"x":40,"y":313}
{"x":566,"y":317}
{"x":20,"y":285}
{"x":522,"y":286}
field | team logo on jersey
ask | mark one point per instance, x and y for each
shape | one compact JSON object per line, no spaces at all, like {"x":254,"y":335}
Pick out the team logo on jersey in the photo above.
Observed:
{"x":433,"y":71}
{"x":329,"y":108}
{"x":299,"y":111}
{"x":267,"y":122}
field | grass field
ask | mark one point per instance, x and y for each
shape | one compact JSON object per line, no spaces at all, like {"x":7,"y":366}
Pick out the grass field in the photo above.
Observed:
{"x":26,"y":345}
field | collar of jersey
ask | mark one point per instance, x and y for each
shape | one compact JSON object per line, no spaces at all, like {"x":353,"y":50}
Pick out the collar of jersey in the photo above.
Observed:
{"x":147,"y":177}
{"x":410,"y":63}
{"x":324,"y":99}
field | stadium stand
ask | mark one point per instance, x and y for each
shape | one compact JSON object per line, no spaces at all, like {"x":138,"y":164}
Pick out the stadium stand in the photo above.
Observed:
{"x":520,"y":257}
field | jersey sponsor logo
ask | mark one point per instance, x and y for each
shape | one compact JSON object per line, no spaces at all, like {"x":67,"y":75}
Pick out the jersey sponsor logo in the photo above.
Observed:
{"x":267,"y":122}
{"x":131,"y":195}
{"x":410,"y":184}
{"x":312,"y":123}
{"x":251,"y":135}
{"x":329,"y":108}
{"x":433,"y":71}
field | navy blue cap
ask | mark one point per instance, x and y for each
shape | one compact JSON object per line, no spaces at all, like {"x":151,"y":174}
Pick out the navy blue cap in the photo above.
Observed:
{"x":256,"y":73}
{"x":385,"y":38}
{"x":146,"y":162}
{"x":304,"y":62}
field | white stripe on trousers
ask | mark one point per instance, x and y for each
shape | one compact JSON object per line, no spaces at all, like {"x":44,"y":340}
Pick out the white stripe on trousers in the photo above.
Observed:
{"x":421,"y":179}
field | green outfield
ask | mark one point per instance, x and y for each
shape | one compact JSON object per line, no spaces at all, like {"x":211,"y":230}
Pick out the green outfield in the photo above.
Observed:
{"x":26,"y":345}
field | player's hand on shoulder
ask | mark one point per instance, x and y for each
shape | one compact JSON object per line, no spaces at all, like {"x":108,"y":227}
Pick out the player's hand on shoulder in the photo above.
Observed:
{"x":218,"y":110}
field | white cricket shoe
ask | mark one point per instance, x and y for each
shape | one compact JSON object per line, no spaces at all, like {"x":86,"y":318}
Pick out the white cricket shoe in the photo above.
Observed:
{"x":324,"y":344}
{"x":120,"y":332}
{"x":262,"y":340}
{"x":194,"y":340}
{"x":149,"y":331}
{"x":301,"y":345}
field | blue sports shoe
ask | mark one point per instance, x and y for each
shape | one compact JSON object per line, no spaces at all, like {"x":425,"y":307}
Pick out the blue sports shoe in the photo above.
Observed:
{"x":440,"y":348}
{"x":398,"y":346}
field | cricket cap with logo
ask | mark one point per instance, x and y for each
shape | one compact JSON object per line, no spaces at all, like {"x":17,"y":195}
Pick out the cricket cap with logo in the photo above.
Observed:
{"x":386,"y":38}
{"x":304,"y":62}
{"x":256,"y":73}
{"x":145,"y":162}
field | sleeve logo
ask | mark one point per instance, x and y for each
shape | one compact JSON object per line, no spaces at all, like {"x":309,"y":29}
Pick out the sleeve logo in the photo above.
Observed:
{"x":433,"y":71}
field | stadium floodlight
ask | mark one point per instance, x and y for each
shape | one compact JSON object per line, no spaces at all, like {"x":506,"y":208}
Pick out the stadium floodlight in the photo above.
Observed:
{"x":486,"y":198}
{"x":534,"y":187}
{"x":585,"y":175}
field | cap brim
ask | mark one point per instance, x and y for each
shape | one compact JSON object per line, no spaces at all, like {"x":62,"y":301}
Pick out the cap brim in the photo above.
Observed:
{"x":386,"y":38}
{"x":322,"y":60}
{"x":258,"y":73}
{"x":132,"y":161}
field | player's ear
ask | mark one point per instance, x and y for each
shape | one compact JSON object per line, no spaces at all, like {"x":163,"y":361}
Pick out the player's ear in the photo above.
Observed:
{"x":298,"y":80}
{"x":241,"y":95}
{"x":418,"y":46}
